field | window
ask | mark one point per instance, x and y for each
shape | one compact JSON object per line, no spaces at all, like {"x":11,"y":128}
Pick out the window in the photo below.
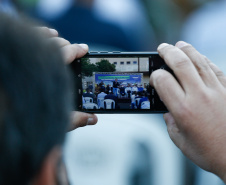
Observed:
{"x":115,"y":63}
{"x":134,"y":62}
{"x":121,"y":63}
{"x":128,"y":62}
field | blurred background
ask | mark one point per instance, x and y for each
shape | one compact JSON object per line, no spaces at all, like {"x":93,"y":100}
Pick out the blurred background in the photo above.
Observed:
{"x":131,"y":149}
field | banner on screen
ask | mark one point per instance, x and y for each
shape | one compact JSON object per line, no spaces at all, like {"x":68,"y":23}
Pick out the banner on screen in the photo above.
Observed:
{"x":123,"y":78}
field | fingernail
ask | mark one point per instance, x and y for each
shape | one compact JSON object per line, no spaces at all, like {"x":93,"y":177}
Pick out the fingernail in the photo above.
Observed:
{"x":90,"y":121}
{"x":53,"y":32}
{"x":181,"y":44}
{"x":84,"y":46}
{"x":162,"y":46}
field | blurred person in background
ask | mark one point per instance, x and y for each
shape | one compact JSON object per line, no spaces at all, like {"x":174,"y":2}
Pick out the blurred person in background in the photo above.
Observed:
{"x":131,"y":17}
{"x":79,"y":24}
{"x":167,"y":17}
{"x":205,"y":29}
{"x":103,"y":25}
{"x":7,"y":7}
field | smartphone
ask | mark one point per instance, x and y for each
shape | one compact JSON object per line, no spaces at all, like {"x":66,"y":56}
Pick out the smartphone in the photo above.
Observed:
{"x":117,"y":82}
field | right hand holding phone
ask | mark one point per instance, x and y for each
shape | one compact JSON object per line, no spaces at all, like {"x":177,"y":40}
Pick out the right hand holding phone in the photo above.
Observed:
{"x":196,"y":101}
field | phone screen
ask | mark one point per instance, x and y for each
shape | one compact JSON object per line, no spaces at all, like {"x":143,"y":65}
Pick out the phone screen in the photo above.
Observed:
{"x":117,"y":83}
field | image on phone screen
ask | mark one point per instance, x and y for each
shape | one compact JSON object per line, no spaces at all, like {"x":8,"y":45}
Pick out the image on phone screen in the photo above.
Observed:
{"x":116,"y":83}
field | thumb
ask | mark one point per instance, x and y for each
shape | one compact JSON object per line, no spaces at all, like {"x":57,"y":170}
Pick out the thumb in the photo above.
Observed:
{"x":81,"y":119}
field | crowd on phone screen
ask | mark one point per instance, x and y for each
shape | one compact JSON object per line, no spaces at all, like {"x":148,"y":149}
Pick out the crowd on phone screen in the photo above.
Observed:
{"x":134,"y":94}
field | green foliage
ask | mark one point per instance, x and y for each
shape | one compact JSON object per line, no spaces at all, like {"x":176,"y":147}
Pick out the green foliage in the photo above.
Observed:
{"x":103,"y":66}
{"x":87,"y":67}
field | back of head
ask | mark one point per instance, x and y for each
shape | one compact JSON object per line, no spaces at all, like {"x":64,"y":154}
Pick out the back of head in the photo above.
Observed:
{"x":34,"y":100}
{"x":87,"y":90}
{"x":102,"y":89}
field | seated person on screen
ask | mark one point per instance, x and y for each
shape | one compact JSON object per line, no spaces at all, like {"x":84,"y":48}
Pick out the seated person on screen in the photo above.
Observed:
{"x":108,"y":89}
{"x":112,"y":97}
{"x":134,"y":88}
{"x":91,"y":87}
{"x":122,"y":90}
{"x":102,"y":93}
{"x":89,"y":94}
{"x":133,"y":103}
{"x":138,"y":98}
{"x":144,"y":98}
{"x":140,"y":88}
{"x":128,"y":90}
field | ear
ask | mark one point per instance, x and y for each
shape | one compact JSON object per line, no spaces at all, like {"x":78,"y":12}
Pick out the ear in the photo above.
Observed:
{"x":47,"y":173}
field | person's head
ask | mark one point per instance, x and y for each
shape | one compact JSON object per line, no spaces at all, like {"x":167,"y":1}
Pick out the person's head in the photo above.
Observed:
{"x":134,"y":93}
{"x":88,"y":90}
{"x":35,"y":104}
{"x":102,"y":89}
{"x":116,"y":79}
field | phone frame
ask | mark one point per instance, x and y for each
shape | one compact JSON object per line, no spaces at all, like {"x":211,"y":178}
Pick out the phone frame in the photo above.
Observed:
{"x":77,"y":76}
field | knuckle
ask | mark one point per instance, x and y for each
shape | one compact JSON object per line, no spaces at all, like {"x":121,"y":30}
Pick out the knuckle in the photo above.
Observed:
{"x":177,"y":60}
{"x":181,"y":62}
{"x":206,"y":59}
{"x":205,"y":98}
{"x":219,"y":73}
{"x":64,"y":41}
{"x":202,"y":69}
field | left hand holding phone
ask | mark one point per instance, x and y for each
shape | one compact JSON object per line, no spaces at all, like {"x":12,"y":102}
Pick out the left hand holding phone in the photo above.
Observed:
{"x":70,"y":52}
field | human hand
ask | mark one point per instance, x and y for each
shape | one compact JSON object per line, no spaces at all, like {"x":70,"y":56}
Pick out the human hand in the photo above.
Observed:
{"x":70,"y":52}
{"x":196,"y":101}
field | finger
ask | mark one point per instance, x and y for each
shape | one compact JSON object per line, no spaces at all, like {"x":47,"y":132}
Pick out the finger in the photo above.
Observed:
{"x":174,"y":131}
{"x":204,"y":70}
{"x":182,"y":67}
{"x":48,"y":32}
{"x":73,"y":51}
{"x":60,"y":41}
{"x":219,"y":74}
{"x":81,"y":119}
{"x":168,"y":89}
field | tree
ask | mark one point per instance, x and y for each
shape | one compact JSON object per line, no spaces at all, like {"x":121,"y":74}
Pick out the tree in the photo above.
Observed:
{"x":87,"y":67}
{"x":105,"y":66}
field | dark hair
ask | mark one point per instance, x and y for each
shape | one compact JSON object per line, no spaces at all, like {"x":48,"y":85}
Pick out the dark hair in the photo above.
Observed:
{"x":88,"y":90}
{"x":34,"y":100}
{"x":102,"y":89}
